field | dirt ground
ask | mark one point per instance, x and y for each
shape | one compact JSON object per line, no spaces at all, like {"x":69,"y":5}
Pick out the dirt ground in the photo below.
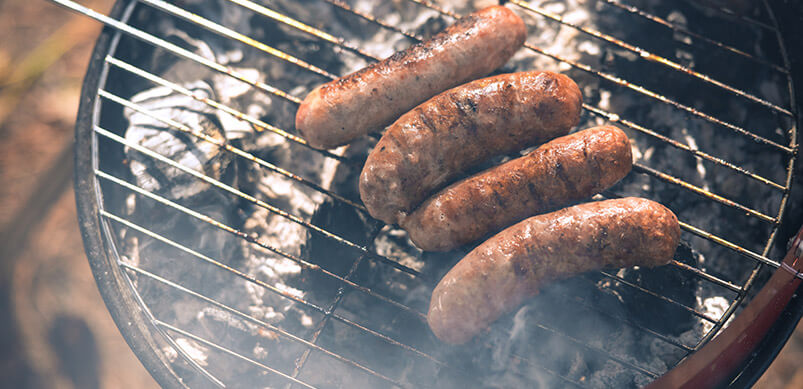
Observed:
{"x":55,"y":331}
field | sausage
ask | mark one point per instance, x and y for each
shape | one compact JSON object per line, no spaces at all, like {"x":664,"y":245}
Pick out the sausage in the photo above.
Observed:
{"x":339,"y":111}
{"x":512,"y":266}
{"x":457,"y":129}
{"x":560,"y":172}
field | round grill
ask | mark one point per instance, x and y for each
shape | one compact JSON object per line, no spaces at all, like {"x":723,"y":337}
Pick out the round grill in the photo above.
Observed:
{"x":232,"y":254}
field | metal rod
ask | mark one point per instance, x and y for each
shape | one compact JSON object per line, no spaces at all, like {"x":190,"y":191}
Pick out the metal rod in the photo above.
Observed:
{"x":228,"y":147}
{"x":259,"y":124}
{"x":231,"y":34}
{"x":150,"y":39}
{"x":341,"y":291}
{"x":676,"y":27}
{"x":640,"y":168}
{"x":652,"y":57}
{"x":592,"y":307}
{"x":615,"y":118}
{"x":372,"y":19}
{"x":598,"y":350}
{"x":252,"y":319}
{"x":686,"y":227}
{"x":169,"y":339}
{"x":744,"y":20}
{"x":656,"y":295}
{"x":708,"y":277}
{"x":230,"y":352}
{"x":267,"y":12}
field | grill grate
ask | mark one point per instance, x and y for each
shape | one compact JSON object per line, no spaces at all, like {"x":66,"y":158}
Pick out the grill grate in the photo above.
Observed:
{"x":328,"y":312}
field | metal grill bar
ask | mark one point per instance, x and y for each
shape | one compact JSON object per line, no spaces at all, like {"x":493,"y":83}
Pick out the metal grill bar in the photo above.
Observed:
{"x":372,"y":19}
{"x":708,"y":277}
{"x":657,"y":96}
{"x":675,"y":27}
{"x":172,"y":342}
{"x":612,"y":117}
{"x":231,"y":34}
{"x":736,"y":248}
{"x":228,"y":147}
{"x":261,"y":10}
{"x":599,"y":351}
{"x":652,"y":57}
{"x":591,"y":307}
{"x":732,"y":15}
{"x":229,"y":352}
{"x":341,"y":291}
{"x":236,"y":312}
{"x":150,"y":39}
{"x":656,"y":295}
{"x":258,"y":124}
{"x":637,"y":167}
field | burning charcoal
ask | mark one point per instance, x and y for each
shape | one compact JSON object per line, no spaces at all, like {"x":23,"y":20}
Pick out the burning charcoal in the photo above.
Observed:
{"x":665,"y":281}
{"x":185,"y":149}
{"x":345,"y":221}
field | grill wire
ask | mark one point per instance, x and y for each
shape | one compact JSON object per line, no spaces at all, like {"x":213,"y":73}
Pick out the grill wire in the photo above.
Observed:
{"x":329,"y":311}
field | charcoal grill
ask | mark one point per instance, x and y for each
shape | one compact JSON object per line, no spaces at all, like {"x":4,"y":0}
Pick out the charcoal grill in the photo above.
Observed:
{"x":178,"y":272}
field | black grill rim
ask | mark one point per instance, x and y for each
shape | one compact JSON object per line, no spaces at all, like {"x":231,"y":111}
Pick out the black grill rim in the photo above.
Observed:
{"x":132,"y":322}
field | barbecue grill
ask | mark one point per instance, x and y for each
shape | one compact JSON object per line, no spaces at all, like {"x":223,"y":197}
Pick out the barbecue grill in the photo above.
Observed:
{"x":231,"y":254}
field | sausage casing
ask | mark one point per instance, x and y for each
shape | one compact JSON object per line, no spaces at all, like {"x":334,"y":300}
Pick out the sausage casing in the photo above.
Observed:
{"x":513,"y":265}
{"x":339,"y":111}
{"x":562,"y":171}
{"x":459,"y":128}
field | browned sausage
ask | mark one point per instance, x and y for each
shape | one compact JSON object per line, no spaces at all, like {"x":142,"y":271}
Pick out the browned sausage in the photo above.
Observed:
{"x":512,"y":266}
{"x":565,"y":170}
{"x":459,"y":128}
{"x":339,"y":111}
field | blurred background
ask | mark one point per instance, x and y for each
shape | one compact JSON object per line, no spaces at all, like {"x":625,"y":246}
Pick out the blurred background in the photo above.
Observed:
{"x":55,"y":331}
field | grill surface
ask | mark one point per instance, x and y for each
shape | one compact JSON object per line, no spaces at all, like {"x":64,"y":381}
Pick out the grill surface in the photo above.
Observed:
{"x":310,"y":357}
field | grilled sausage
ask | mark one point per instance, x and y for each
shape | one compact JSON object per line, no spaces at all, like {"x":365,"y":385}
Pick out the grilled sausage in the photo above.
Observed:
{"x":459,"y":128}
{"x":562,"y":171}
{"x":339,"y":111}
{"x":512,"y":266}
